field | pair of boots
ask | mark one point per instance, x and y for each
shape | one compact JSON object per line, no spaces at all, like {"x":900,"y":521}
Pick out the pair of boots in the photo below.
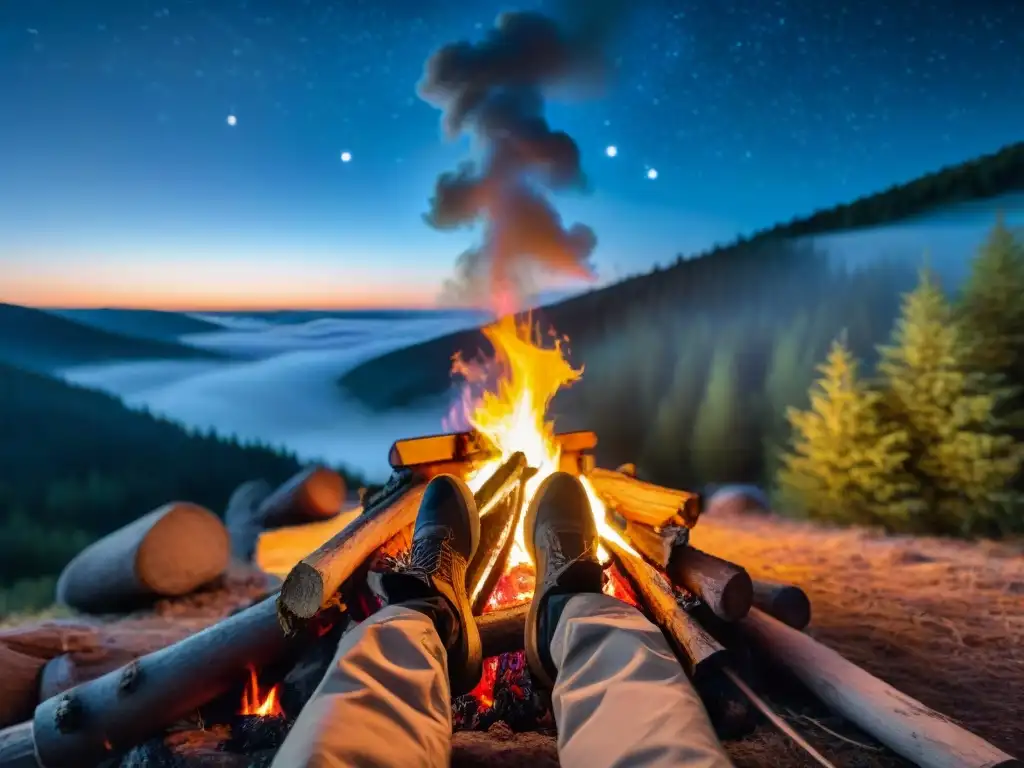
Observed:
{"x":562,"y":540}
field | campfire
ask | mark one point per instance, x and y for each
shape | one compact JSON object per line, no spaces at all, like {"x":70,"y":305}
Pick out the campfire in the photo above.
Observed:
{"x":236,"y":687}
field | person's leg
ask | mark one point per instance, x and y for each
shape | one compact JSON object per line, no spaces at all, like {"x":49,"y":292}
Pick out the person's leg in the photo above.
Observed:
{"x":385,"y":700}
{"x":619,"y":694}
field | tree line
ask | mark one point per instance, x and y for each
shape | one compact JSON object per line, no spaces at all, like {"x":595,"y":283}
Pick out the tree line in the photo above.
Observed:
{"x":76,"y":464}
{"x":692,"y":379}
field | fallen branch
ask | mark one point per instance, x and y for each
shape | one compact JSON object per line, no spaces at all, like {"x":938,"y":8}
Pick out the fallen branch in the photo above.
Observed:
{"x":111,"y":714}
{"x":903,"y":724}
{"x":168,"y":553}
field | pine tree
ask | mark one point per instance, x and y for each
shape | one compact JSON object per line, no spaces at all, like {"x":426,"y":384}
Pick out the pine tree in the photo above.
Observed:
{"x":991,"y":309}
{"x":847,"y":463}
{"x":959,"y":448}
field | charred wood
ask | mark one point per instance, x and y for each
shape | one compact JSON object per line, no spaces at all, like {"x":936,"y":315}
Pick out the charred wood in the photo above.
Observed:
{"x":502,"y":631}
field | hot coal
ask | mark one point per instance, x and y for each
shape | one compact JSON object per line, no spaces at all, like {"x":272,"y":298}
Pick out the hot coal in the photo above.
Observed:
{"x":253,"y":733}
{"x":505,"y":694}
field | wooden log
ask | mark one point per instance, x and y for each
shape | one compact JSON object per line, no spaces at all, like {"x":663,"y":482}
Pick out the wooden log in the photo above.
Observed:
{"x":498,"y":502}
{"x":167,"y":553}
{"x":646,"y":503}
{"x":502,"y":631}
{"x":700,"y":654}
{"x":106,"y":650}
{"x":313,"y":582}
{"x":106,"y":716}
{"x":725,"y":587}
{"x":315,"y":493}
{"x":19,"y":685}
{"x":786,"y":602}
{"x":463,"y":447}
{"x":903,"y":724}
{"x":17,"y":747}
{"x":242,"y":517}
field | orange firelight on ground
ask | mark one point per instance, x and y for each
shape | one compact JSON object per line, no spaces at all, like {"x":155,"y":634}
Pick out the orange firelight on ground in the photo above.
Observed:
{"x":255,"y":703}
{"x":511,"y":415}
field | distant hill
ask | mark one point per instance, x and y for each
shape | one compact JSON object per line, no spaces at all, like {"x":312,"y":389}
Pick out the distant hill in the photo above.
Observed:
{"x":76,"y":464}
{"x":711,"y":283}
{"x":37,"y":340}
{"x":141,"y":323}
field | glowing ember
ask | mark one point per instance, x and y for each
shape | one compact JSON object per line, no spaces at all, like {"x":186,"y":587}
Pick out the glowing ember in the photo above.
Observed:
{"x":253,"y":703}
{"x":506,"y":401}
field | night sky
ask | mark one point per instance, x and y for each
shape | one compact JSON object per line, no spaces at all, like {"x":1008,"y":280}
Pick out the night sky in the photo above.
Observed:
{"x":189,"y":154}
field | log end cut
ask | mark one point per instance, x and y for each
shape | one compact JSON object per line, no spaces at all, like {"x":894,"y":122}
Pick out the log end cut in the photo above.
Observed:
{"x":302,"y":595}
{"x":315,"y":493}
{"x":187,"y":548}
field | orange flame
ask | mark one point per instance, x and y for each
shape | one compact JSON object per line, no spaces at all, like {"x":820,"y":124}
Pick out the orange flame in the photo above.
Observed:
{"x":511,"y":415}
{"x":255,"y":704}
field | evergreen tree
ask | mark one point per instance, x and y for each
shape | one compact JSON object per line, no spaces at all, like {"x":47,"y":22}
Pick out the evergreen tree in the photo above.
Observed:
{"x":959,"y":448}
{"x":714,"y":431}
{"x":847,"y":463}
{"x":991,"y":309}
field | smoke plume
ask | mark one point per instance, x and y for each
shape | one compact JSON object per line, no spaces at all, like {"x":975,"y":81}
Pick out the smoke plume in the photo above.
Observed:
{"x":493,"y":90}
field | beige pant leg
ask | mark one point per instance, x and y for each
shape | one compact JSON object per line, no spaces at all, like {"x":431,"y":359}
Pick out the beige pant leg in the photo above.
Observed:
{"x":621,"y":698}
{"x":384,"y":701}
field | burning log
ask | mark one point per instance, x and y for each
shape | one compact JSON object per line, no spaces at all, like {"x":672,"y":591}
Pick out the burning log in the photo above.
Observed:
{"x":499,"y":502}
{"x":461,"y":448}
{"x":698,"y":651}
{"x":640,"y":502}
{"x":17,"y":747}
{"x":785,"y":602}
{"x":313,"y":582}
{"x":316,"y":493}
{"x":111,"y":714}
{"x":903,"y":724}
{"x":167,"y":553}
{"x":502,"y":631}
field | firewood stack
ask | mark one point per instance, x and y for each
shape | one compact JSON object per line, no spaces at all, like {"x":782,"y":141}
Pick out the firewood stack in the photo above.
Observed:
{"x":718,"y":620}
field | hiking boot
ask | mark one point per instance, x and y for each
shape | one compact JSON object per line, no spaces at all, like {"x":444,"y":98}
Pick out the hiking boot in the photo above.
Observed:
{"x":561,"y":536}
{"x":445,"y":538}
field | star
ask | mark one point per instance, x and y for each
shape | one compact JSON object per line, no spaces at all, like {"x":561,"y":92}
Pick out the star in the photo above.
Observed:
{"x":652,"y":173}
{"x":232,"y":120}
{"x":611,"y":150}
{"x":346,"y":157}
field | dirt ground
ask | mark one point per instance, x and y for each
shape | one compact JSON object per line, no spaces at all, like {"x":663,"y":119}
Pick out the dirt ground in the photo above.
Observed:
{"x":941,"y":620}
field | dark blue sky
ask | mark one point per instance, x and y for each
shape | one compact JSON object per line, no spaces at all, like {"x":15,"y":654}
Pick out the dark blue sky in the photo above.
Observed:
{"x":121,"y":181}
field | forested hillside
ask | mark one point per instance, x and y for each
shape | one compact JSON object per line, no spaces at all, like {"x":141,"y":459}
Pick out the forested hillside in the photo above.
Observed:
{"x":37,"y":340}
{"x":76,"y":464}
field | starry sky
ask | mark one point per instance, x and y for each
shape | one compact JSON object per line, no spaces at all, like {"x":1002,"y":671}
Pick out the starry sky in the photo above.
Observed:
{"x":190,"y":153}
